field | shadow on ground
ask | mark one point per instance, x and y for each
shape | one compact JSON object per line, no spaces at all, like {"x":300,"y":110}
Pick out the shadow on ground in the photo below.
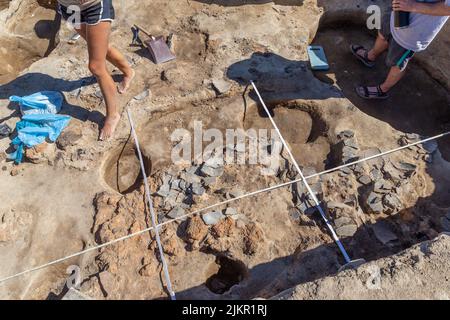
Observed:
{"x":418,"y":104}
{"x":407,"y":228}
{"x":33,"y":82}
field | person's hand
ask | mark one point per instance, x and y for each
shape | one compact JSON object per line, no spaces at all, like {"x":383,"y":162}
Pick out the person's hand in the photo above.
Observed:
{"x":404,"y":5}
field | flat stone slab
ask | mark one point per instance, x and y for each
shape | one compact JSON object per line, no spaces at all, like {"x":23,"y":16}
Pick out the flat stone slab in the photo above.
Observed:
{"x":212,"y":218}
{"x":176,"y":213}
{"x":347,"y":231}
{"x":383,"y":232}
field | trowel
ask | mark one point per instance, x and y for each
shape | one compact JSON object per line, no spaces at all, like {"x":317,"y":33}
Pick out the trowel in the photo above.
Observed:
{"x":157,"y":46}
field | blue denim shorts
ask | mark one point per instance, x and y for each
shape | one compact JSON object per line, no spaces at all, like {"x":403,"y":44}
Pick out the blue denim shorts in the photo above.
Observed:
{"x":397,"y":55}
{"x":103,"y":11}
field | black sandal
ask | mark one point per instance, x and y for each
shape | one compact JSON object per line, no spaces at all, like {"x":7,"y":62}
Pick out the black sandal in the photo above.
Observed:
{"x":363,"y":58}
{"x":363,"y":92}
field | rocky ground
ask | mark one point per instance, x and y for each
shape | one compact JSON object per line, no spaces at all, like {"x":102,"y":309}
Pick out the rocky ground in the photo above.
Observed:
{"x":395,"y":277}
{"x":78,"y":192}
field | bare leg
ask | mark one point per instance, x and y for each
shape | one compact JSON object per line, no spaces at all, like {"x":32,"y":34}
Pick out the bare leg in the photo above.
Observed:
{"x":118,"y":60}
{"x":97,"y":37}
{"x":394,"y":76}
{"x":381,"y":45}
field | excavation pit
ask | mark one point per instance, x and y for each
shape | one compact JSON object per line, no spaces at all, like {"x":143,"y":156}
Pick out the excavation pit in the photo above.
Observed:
{"x":122,"y":170}
{"x":418,"y":104}
{"x":230,"y":273}
{"x":302,"y":128}
{"x":34,"y":38}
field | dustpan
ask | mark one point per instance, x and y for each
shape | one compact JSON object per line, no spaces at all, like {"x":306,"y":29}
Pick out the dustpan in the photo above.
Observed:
{"x":157,"y":46}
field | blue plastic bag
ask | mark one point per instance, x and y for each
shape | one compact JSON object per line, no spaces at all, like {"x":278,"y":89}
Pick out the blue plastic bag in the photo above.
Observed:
{"x":43,"y":102}
{"x":35,"y":129}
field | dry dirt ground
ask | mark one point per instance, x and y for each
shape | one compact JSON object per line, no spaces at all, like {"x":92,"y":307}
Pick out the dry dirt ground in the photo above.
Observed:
{"x":79,"y":193}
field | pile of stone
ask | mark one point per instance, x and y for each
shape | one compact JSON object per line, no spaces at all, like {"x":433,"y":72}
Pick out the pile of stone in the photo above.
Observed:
{"x":343,"y":218}
{"x":347,"y":148}
{"x":301,"y":197}
{"x":382,"y":195}
{"x":424,"y":151}
{"x":178,"y":192}
{"x":214,"y":217}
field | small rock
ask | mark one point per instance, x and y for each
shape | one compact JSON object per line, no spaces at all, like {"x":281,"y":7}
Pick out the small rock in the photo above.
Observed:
{"x":383,"y":232}
{"x":5,"y":130}
{"x":240,"y":224}
{"x":317,"y":189}
{"x":344,"y":172}
{"x":376,"y":174}
{"x":164,"y":191}
{"x":374,"y":203}
{"x":335,"y":205}
{"x":358,"y":169}
{"x":295,"y":213}
{"x":41,"y":153}
{"x":428,"y":158}
{"x":230,"y":211}
{"x":191,"y":178}
{"x":342,"y":221}
{"x":176,"y":212}
{"x":348,"y":154}
{"x":192,"y":170}
{"x":365,"y":180}
{"x":351,"y":143}
{"x":209,"y":181}
{"x":408,"y":168}
{"x":183,"y":185}
{"x":346,"y":134}
{"x":391,"y":203}
{"x":15,"y":171}
{"x":347,"y":231}
{"x":196,"y":230}
{"x":198,"y":189}
{"x":376,"y":162}
{"x":383,"y":186}
{"x":351,"y":200}
{"x":221,"y":86}
{"x":211,"y":218}
{"x":412,"y":137}
{"x":234,"y":193}
{"x":144,"y":94}
{"x":392,"y":173}
{"x":175,"y":185}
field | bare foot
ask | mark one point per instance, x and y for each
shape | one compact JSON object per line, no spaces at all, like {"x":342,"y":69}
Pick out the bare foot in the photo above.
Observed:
{"x":126,"y":82}
{"x":109,"y":127}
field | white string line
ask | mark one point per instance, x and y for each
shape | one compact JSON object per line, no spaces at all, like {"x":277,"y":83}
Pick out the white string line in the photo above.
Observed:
{"x":152,"y":212}
{"x":310,"y":191}
{"x":285,"y":184}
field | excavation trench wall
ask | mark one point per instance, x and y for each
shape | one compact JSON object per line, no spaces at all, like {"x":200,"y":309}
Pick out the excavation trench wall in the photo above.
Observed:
{"x":434,"y":60}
